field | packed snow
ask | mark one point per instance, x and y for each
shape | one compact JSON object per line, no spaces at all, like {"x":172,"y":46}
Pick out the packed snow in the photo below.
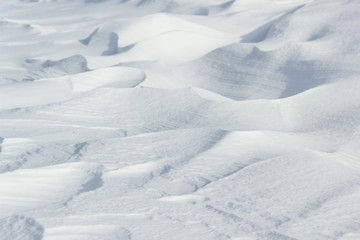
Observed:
{"x":179,"y":119}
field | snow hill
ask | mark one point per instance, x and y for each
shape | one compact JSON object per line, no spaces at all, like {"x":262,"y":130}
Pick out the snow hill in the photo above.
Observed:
{"x":179,"y":119}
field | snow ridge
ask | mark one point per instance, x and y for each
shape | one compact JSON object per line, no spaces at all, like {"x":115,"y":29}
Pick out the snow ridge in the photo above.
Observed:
{"x":179,"y":119}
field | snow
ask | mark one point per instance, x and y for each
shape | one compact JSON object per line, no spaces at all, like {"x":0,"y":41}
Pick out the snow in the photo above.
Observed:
{"x":179,"y":119}
{"x":36,"y":187}
{"x":20,"y":227}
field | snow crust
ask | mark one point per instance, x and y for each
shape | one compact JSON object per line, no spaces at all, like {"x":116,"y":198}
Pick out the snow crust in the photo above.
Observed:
{"x":179,"y":119}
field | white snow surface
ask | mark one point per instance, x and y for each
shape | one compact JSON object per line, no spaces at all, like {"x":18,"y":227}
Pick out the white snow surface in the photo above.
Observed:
{"x":179,"y":119}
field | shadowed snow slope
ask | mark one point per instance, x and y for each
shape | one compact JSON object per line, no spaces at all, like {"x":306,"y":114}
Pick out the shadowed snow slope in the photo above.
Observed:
{"x":179,"y":119}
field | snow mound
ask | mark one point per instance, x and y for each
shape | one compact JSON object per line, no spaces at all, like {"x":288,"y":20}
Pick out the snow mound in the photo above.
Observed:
{"x":40,"y":187}
{"x":33,"y":93}
{"x":159,"y":37}
{"x":118,"y":77}
{"x":174,"y":47}
{"x":19,"y":227}
{"x":153,"y":25}
{"x":47,"y":91}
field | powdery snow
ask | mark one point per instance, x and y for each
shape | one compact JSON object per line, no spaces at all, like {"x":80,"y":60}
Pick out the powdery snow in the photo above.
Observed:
{"x":179,"y":119}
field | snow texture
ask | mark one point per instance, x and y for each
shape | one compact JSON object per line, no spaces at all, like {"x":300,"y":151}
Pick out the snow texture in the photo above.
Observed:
{"x":179,"y":119}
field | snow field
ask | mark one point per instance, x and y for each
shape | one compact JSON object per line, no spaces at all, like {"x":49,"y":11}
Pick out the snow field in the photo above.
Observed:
{"x":179,"y":119}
